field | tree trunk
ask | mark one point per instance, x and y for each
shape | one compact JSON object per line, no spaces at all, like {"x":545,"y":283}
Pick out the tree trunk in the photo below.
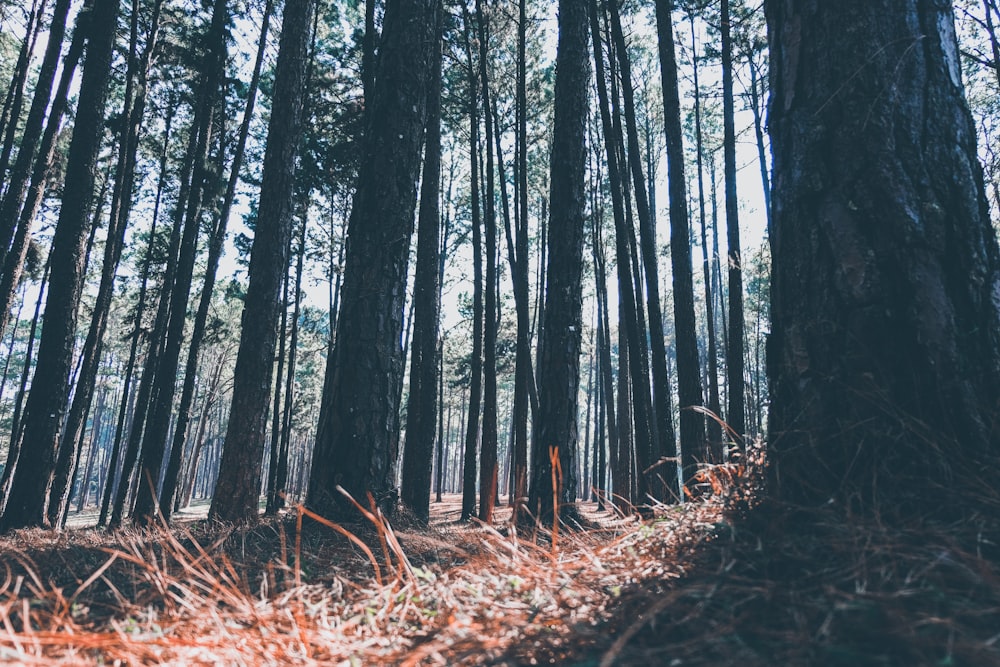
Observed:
{"x":30,"y":136}
{"x":554,"y":447}
{"x":33,"y":193}
{"x":14,"y":446}
{"x":884,"y":361}
{"x":421,"y":410}
{"x":688,"y":371}
{"x":46,"y":401}
{"x":121,"y":204}
{"x":640,"y":425}
{"x":281,"y":470}
{"x":476,"y":362}
{"x":238,"y":488}
{"x":661,"y":402}
{"x":714,"y":450}
{"x":488,"y":467}
{"x":736,"y":414}
{"x":14,"y":98}
{"x":524,"y":377}
{"x":118,"y":472}
{"x":357,"y":439}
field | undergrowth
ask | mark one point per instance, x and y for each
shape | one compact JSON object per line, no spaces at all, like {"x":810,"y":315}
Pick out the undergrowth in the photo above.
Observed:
{"x":719,"y":580}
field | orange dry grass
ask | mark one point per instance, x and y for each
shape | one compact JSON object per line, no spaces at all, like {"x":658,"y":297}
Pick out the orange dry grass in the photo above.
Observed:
{"x":475,"y":596}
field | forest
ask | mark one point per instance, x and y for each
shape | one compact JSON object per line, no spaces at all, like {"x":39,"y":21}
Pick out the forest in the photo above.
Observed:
{"x":508,"y":332}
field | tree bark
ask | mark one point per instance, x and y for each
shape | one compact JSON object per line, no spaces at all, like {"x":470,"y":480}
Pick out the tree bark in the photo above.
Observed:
{"x":553,"y":489}
{"x":488,"y":466}
{"x":884,"y":361}
{"x":357,"y":439}
{"x":688,"y":366}
{"x":421,"y":409}
{"x":735,"y":367}
{"x":238,"y":488}
{"x":17,"y":182}
{"x":47,"y":399}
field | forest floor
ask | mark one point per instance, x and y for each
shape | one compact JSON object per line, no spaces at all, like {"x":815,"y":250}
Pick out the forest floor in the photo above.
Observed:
{"x":708,"y":582}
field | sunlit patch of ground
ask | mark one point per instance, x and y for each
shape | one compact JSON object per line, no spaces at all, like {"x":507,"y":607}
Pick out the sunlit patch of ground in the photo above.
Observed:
{"x":274,"y":594}
{"x":693,"y":585}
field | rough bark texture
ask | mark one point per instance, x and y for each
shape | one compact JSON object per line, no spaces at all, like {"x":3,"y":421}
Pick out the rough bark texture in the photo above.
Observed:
{"x":238,"y":488}
{"x":46,"y":402}
{"x":884,"y":361}
{"x":421,"y":410}
{"x":358,"y":435}
{"x":559,"y":361}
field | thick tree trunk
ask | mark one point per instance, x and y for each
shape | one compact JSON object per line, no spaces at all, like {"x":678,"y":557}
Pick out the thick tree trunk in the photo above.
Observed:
{"x":357,"y":439}
{"x":47,"y":399}
{"x":421,"y":410}
{"x":554,"y":446}
{"x":884,"y":361}
{"x":238,"y":488}
{"x":121,"y":205}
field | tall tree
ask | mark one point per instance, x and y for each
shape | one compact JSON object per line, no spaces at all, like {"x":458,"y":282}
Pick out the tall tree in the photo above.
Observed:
{"x":357,"y":439}
{"x":151,"y":424}
{"x":661,"y":404}
{"x":476,"y":360}
{"x":688,"y":366}
{"x":46,"y":402}
{"x":238,"y":488}
{"x":215,"y":247}
{"x":421,"y":407}
{"x":634,"y":361}
{"x":714,"y":431}
{"x":488,"y":467}
{"x":555,"y":442}
{"x":121,"y":205}
{"x":884,"y":357}
{"x":26,"y":200}
{"x":736,"y":414}
{"x":17,"y":182}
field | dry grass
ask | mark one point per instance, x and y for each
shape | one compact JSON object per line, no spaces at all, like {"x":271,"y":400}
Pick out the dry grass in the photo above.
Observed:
{"x":320,"y":593}
{"x":690,"y":586}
